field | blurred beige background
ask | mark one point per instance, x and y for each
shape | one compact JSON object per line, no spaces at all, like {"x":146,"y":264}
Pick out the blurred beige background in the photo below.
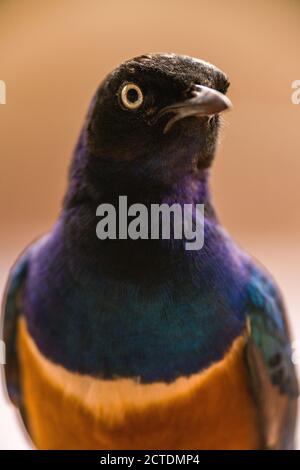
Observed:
{"x":53,"y":55}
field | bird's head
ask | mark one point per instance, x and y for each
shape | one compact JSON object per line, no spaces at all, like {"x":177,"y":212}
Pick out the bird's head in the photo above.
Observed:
{"x":150,"y":134}
{"x":156,"y":116}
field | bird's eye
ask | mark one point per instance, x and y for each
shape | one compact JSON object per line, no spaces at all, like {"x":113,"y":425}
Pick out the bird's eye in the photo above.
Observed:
{"x":131,"y":96}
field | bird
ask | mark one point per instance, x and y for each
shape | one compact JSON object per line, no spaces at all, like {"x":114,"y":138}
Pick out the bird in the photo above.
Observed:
{"x":121,"y":343}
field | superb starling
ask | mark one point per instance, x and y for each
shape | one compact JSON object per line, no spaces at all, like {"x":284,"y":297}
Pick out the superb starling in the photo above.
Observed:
{"x":121,"y":343}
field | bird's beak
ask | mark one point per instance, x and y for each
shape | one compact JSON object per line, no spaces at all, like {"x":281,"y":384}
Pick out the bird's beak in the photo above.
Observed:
{"x":205,"y":101}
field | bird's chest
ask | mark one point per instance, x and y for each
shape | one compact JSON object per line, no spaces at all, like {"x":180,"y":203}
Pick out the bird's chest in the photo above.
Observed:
{"x":111,"y":335}
{"x":209,"y":410}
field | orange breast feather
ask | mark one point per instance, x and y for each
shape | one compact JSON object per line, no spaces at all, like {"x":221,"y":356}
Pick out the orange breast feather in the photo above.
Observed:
{"x":210,"y":410}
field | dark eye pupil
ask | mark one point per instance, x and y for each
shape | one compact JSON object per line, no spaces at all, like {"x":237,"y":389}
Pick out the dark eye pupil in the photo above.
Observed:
{"x":132,"y":95}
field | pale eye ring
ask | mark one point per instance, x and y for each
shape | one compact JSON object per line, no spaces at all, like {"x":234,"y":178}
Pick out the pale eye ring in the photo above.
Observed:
{"x":131,"y":96}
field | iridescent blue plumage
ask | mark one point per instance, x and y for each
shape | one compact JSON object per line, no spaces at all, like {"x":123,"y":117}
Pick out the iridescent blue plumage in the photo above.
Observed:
{"x":148,"y":309}
{"x":96,"y":325}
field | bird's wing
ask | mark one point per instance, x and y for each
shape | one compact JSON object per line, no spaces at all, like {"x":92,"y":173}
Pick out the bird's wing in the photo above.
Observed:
{"x":269,"y":357}
{"x":11,"y":313}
